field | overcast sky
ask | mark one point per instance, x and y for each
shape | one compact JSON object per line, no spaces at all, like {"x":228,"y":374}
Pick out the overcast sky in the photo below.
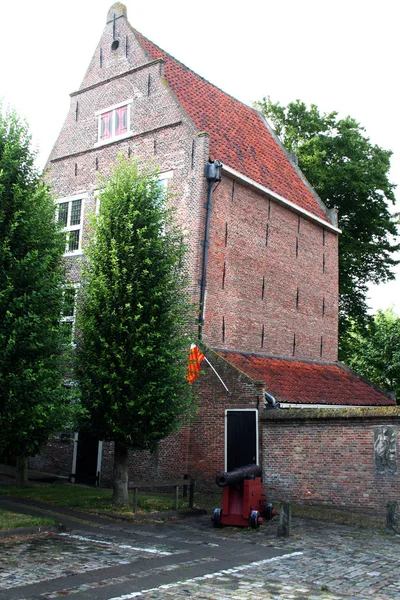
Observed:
{"x":340,"y":55}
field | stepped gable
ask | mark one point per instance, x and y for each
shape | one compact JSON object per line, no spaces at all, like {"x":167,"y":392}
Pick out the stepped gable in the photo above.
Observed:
{"x":307,"y":382}
{"x":239,"y":137}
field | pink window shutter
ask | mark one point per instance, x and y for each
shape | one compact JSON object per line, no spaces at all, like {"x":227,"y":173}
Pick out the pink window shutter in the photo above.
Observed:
{"x":121,"y":120}
{"x":106,"y":125}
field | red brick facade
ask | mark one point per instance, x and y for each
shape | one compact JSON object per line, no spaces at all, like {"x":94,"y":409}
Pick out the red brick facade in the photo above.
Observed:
{"x":272,"y":271}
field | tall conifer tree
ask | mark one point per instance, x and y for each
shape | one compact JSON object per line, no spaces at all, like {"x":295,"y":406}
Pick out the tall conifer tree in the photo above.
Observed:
{"x":33,"y":399}
{"x":133,"y":318}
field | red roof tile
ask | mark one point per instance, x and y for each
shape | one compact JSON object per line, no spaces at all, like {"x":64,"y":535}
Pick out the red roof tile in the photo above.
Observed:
{"x":306,"y":382}
{"x":239,"y":137}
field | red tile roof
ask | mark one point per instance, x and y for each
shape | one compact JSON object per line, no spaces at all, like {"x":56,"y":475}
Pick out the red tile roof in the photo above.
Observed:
{"x":239,"y":137}
{"x":306,"y":382}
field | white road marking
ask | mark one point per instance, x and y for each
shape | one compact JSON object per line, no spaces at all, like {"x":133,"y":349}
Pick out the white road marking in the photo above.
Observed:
{"x":208,"y":576}
{"x":123,"y":546}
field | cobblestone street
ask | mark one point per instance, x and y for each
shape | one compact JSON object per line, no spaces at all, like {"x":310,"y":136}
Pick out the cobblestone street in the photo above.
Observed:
{"x":102,"y":559}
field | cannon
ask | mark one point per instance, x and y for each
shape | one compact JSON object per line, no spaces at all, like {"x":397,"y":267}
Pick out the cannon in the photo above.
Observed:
{"x":243,"y":500}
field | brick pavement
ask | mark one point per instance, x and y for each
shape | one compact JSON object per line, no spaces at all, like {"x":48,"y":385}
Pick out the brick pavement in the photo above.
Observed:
{"x":191,"y":559}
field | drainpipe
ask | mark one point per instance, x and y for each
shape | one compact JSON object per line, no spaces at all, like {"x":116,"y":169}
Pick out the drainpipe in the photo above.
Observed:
{"x":212,"y":172}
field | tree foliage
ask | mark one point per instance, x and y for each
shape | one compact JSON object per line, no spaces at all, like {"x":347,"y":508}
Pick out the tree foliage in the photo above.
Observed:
{"x":350,"y":174}
{"x":133,"y":319}
{"x":374,"y":351}
{"x":33,"y":401}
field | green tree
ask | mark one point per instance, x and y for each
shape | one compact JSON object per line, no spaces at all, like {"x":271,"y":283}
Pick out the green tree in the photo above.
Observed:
{"x":350,"y":174}
{"x":374,"y":350}
{"x":132,"y":348}
{"x":33,"y":401}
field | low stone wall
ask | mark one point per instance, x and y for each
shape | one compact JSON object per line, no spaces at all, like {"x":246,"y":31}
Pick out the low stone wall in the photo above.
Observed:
{"x":343,"y":458}
{"x":55,"y":457}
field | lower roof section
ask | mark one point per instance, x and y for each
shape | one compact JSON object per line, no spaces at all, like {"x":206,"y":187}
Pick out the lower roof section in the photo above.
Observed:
{"x":308,"y":382}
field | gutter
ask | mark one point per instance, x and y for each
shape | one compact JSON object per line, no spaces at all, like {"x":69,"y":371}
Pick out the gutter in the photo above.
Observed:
{"x":212,"y":172}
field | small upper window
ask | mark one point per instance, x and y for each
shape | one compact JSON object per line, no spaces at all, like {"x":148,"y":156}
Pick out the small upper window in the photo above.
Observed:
{"x":70,"y":217}
{"x":113,"y":123}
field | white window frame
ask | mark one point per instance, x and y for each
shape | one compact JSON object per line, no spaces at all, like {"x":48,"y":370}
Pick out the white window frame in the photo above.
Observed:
{"x":68,"y":228}
{"x":112,"y":109}
{"x":164,"y":178}
{"x":71,"y":318}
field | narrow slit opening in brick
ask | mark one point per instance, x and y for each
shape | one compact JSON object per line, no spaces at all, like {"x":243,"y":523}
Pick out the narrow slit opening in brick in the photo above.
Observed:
{"x":155,"y":146}
{"x":323,"y":263}
{"x":294,"y":344}
{"x":129,"y":151}
{"x":192,"y":159}
{"x":323,"y":306}
{"x":269,"y":208}
{"x":262,"y":337}
{"x":266,"y":235}
{"x":76,"y":110}
{"x":233,"y":190}
{"x":321,"y":347}
{"x":298,"y":225}
{"x":76,"y":169}
{"x":223,"y":276}
{"x":101,"y":57}
{"x":297,"y":299}
{"x":297,"y":247}
{"x":226,"y":234}
{"x":263,"y":289}
{"x":223,"y":329}
{"x":148,"y":84}
{"x":97,"y":163}
{"x":323,"y":237}
{"x":126,"y":46}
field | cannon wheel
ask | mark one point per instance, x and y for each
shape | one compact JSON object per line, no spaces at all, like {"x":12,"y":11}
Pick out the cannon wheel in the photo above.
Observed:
{"x":217,"y":517}
{"x":254,"y":519}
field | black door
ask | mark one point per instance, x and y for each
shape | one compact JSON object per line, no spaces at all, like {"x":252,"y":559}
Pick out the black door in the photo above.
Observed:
{"x":86,"y":459}
{"x":241,"y":438}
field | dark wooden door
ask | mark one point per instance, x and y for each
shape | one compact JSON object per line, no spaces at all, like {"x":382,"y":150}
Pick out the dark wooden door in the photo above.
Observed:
{"x":86,"y":459}
{"x":241,"y":438}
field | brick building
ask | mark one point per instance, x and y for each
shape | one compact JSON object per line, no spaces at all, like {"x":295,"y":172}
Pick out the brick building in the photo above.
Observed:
{"x":263,"y":246}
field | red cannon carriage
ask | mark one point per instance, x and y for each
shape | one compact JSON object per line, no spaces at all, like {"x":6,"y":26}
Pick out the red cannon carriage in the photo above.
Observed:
{"x":243,"y":501}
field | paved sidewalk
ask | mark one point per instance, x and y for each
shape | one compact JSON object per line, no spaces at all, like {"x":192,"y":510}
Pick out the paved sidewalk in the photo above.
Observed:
{"x":101,"y":559}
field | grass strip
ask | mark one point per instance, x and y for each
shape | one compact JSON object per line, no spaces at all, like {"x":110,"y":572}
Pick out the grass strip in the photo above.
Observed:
{"x":10,"y":520}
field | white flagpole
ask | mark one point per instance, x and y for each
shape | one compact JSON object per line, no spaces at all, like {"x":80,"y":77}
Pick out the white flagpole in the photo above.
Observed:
{"x":229,"y":393}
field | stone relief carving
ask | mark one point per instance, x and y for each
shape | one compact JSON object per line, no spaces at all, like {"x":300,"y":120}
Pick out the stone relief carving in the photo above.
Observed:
{"x":385,"y":449}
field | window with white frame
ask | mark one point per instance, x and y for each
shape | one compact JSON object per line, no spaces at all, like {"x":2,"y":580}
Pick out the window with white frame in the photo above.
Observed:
{"x":69,"y":215}
{"x":113,"y":122}
{"x":68,"y":313}
{"x":163,"y":179}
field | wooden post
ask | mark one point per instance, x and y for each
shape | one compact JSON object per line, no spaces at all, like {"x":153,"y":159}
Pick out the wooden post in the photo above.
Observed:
{"x":191,"y":494}
{"x":285,"y":519}
{"x":391,"y":517}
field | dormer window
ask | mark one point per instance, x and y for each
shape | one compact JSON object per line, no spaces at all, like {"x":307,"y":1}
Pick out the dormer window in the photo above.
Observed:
{"x":113,"y":123}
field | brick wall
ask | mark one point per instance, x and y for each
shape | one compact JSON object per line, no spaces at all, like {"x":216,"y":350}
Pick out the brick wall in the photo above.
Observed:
{"x":326,"y":457}
{"x":272,"y":278}
{"x":56,"y":457}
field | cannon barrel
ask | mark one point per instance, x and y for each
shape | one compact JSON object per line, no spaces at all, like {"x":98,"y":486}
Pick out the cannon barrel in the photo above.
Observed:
{"x":238,"y":475}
